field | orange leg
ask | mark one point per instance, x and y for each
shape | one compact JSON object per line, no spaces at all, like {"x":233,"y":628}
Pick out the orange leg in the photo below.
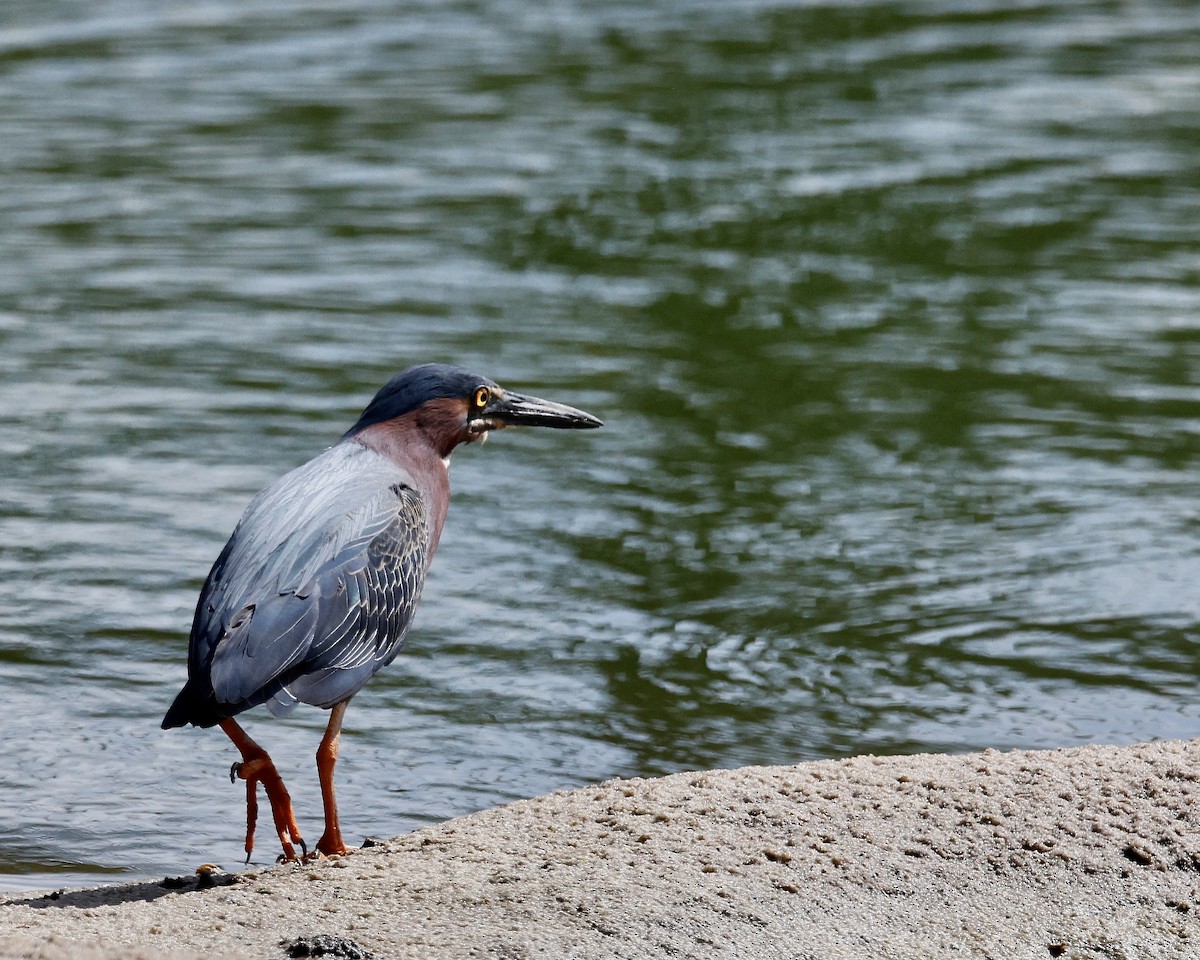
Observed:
{"x":257,"y":767}
{"x":330,"y":843}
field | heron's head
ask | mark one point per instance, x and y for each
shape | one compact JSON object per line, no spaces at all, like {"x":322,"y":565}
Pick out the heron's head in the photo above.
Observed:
{"x":451,"y":405}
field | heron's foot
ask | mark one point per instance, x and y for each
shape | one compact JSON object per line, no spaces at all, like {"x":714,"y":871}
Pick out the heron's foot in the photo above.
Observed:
{"x":330,"y":845}
{"x":261,"y":769}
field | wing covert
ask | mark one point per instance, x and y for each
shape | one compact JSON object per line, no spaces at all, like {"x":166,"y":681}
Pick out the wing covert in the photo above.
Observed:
{"x":309,"y":599}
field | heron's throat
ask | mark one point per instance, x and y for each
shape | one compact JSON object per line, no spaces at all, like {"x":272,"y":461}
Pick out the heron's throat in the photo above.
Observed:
{"x":443,"y":423}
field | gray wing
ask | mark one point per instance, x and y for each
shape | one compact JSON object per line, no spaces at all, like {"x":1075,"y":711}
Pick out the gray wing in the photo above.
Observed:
{"x":317,"y":586}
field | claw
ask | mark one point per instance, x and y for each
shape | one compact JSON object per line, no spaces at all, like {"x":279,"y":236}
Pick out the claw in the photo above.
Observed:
{"x":233,"y":772}
{"x":251,"y":813}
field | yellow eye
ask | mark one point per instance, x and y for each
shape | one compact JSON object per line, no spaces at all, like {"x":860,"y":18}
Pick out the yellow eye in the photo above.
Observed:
{"x":482,"y":396}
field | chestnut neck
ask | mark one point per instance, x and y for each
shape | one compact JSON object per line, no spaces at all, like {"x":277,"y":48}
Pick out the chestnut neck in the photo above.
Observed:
{"x":421,"y":442}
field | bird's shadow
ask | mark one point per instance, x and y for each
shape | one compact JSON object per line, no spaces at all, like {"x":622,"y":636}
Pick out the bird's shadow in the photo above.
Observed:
{"x":117,"y":894}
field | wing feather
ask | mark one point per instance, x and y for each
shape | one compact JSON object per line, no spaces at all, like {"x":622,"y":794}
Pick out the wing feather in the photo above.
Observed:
{"x":317,"y":586}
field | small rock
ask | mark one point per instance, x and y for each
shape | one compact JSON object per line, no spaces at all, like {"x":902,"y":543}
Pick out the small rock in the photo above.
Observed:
{"x":325,"y":945}
{"x":209,"y":875}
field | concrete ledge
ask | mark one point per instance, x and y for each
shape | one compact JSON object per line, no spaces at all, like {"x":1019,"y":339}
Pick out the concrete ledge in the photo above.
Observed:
{"x":1080,"y":853}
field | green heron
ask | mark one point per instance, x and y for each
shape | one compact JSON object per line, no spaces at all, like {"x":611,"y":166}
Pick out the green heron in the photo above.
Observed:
{"x":317,"y":586}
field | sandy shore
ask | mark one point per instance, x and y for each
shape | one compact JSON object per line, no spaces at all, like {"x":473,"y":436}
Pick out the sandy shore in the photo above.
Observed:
{"x":1083,"y":853}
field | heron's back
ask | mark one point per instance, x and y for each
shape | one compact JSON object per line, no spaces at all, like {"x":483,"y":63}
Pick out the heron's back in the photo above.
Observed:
{"x":314,"y":591}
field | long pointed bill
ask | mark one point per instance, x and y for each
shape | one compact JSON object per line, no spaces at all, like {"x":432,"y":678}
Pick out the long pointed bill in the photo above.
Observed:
{"x":514,"y":409}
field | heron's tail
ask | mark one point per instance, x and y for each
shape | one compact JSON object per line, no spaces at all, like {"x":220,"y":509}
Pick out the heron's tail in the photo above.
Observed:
{"x":195,"y":706}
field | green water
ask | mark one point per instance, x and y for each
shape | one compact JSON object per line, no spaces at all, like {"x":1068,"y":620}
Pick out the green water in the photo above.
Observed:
{"x":892,"y":311}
